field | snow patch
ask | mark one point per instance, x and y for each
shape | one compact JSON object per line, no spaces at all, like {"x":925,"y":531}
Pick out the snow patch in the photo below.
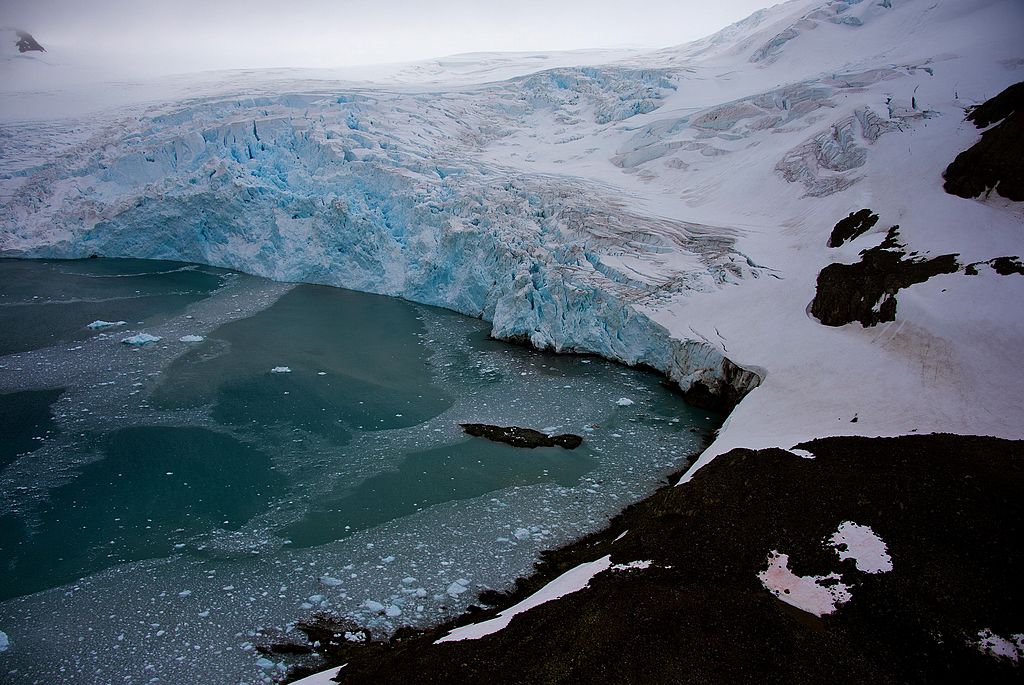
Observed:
{"x":322,"y":678}
{"x":646,"y":563}
{"x":571,"y":581}
{"x":999,"y":647}
{"x":807,"y":593}
{"x":860,"y":543}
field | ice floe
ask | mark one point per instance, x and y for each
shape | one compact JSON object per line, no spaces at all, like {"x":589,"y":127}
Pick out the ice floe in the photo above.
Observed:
{"x":141,"y":339}
{"x":100,"y":324}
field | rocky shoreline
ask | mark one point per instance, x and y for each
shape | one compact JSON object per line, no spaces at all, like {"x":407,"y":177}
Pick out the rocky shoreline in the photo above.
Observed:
{"x":948,"y":508}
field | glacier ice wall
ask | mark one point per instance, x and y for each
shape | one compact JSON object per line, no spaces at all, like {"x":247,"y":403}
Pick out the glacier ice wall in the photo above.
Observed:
{"x":380,"y":193}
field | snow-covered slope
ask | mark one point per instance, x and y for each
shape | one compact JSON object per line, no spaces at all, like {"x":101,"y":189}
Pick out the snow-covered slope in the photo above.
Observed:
{"x":670,"y":208}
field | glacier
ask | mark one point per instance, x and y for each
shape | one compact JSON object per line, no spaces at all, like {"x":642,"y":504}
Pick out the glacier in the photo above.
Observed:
{"x":666,"y":208}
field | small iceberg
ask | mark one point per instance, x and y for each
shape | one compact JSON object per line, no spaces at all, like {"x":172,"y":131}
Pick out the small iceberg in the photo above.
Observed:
{"x":141,"y":339}
{"x":99,"y":324}
{"x":281,"y":369}
{"x":191,"y":338}
{"x":624,"y":402}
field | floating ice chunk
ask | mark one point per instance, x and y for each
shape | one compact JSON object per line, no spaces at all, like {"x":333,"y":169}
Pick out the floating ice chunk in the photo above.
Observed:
{"x":868,"y":551}
{"x":281,"y":369}
{"x":804,"y":592}
{"x":408,"y":580}
{"x":355,"y":637}
{"x":329,"y":581}
{"x":141,"y":339}
{"x":5,"y":642}
{"x":374,"y":606}
{"x":265,"y":663}
{"x":316,"y":599}
{"x":624,"y":402}
{"x":191,"y":338}
{"x":571,"y":581}
{"x":321,"y":373}
{"x":458,"y":587}
{"x":990,"y":643}
{"x":392,"y":611}
{"x":184,"y":593}
{"x":388,"y":559}
{"x":100,"y":324}
{"x":521,"y":533}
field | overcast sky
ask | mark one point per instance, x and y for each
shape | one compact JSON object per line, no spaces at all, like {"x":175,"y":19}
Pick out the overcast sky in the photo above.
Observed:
{"x":188,"y":35}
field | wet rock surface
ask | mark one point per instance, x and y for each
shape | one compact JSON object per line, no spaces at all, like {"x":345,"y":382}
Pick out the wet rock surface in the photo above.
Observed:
{"x":866,"y":291}
{"x":997,"y":160}
{"x":946,"y":506}
{"x":522,"y":437}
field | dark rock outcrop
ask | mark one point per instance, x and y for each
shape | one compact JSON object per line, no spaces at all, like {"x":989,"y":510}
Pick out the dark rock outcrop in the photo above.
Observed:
{"x":866,"y":291}
{"x":997,"y":160}
{"x":26,"y":43}
{"x":852,"y":227}
{"x":947,"y":507}
{"x":1004,"y":266}
{"x":522,"y":437}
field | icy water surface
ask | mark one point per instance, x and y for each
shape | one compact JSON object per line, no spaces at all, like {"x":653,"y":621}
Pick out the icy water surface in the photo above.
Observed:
{"x":165,"y":507}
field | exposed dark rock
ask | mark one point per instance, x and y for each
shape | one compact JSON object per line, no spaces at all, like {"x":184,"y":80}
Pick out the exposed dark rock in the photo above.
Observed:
{"x":948,"y":508}
{"x":1004,"y":266}
{"x":26,"y":43}
{"x":997,"y":160}
{"x":866,"y":291}
{"x":852,"y":227}
{"x":998,"y":108}
{"x":522,"y":437}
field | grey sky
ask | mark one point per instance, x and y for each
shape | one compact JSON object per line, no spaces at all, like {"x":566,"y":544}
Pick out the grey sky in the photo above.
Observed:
{"x":187,"y":35}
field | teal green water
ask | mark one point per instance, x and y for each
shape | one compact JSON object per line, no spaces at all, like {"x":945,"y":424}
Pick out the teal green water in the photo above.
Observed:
{"x":151,"y":488}
{"x":43,"y":303}
{"x":360,"y":431}
{"x":461,"y":471}
{"x":355,"y":360}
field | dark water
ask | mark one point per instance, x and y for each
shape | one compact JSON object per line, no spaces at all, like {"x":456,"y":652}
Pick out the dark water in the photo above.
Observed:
{"x":26,"y":418}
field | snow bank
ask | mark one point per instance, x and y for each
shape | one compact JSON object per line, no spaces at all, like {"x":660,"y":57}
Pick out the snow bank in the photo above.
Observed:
{"x":571,"y":581}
